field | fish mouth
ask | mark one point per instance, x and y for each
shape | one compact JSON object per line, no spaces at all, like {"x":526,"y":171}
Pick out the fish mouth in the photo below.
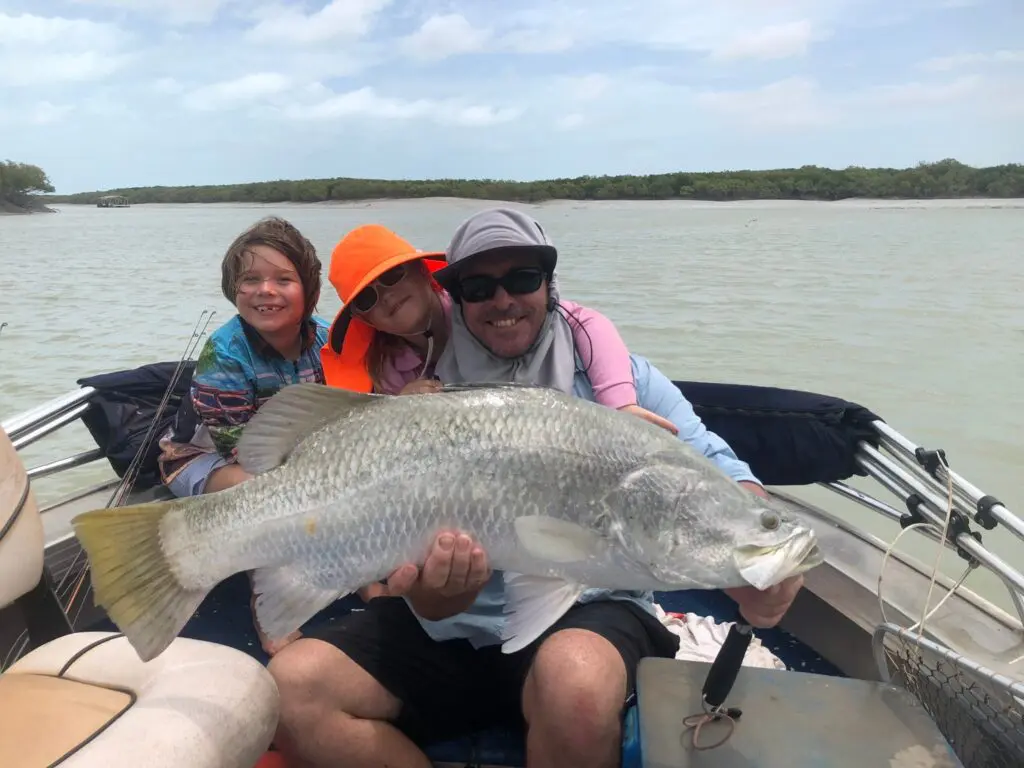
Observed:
{"x":763,"y":567}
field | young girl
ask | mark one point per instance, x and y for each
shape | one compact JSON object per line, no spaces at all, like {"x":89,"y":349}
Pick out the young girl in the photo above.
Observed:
{"x":271,"y":274}
{"x":396,"y":318}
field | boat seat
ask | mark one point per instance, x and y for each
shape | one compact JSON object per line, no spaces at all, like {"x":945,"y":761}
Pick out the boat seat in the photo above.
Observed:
{"x":86,"y":700}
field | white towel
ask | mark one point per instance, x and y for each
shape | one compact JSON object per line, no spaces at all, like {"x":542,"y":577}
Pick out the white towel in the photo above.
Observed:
{"x":701,"y":638}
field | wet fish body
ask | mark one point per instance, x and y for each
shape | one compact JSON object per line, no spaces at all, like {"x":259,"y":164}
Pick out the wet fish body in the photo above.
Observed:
{"x":562,"y":493}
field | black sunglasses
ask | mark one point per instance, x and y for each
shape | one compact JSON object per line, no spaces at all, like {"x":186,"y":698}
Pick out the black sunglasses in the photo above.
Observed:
{"x":367,"y":298}
{"x":516,"y":282}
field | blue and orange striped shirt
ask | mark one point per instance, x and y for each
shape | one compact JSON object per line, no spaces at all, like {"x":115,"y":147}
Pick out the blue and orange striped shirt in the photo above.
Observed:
{"x":237,"y":371}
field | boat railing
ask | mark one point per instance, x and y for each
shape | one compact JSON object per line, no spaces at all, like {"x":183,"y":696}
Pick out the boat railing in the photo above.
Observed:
{"x":921,"y":478}
{"x":978,"y":710}
{"x":36,"y":423}
{"x":917,"y":476}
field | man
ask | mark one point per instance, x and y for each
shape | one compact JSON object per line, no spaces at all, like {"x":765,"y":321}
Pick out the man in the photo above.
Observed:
{"x":429,"y":664}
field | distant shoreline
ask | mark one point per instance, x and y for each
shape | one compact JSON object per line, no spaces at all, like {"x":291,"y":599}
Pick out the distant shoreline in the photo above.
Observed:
{"x":8,"y":208}
{"x":946,"y":179}
{"x":866,"y":202}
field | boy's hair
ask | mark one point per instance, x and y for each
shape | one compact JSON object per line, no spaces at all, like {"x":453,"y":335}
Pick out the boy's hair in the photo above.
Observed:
{"x":276,"y":233}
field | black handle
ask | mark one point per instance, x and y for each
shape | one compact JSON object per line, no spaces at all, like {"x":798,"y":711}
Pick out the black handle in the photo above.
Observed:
{"x":726,"y":665}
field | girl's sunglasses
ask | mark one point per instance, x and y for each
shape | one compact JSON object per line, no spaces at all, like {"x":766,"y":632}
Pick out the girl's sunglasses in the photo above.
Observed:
{"x":367,"y":298}
{"x":516,"y":282}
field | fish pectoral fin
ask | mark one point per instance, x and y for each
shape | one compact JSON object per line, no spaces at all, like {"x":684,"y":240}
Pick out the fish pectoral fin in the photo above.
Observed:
{"x":532,"y":605}
{"x":287,"y":597}
{"x":556,"y":540}
{"x":290,"y":416}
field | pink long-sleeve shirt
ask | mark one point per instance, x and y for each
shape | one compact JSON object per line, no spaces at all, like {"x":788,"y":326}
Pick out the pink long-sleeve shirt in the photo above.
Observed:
{"x":598,"y":344}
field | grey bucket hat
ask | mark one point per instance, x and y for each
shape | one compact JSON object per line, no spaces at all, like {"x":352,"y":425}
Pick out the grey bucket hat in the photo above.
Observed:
{"x":494,"y":231}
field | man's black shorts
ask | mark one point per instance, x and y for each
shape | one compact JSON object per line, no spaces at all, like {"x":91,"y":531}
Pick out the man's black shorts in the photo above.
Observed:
{"x":449,"y":688}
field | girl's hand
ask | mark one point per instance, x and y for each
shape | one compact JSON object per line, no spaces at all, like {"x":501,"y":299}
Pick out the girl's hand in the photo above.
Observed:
{"x":421,"y":387}
{"x":654,"y":418}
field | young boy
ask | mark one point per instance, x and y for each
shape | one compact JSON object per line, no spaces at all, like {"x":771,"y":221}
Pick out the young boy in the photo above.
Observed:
{"x":271,"y":274}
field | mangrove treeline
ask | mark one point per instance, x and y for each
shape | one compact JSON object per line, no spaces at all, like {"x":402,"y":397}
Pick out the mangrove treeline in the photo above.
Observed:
{"x":20,"y":183}
{"x":944,"y":179}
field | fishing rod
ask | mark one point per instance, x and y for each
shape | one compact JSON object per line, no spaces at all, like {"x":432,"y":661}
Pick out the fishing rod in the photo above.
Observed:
{"x":127,"y":483}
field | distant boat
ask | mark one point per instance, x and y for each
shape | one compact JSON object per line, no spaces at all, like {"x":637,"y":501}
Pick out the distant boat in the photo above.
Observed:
{"x":113,"y":201}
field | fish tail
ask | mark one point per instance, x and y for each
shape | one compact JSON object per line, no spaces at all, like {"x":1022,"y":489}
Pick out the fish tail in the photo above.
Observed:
{"x":132,"y":576}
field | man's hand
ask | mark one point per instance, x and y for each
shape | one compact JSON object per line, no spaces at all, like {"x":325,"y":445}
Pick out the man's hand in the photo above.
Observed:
{"x":454,"y":572}
{"x":766,"y":608}
{"x":421,"y":387}
{"x":371,"y":591}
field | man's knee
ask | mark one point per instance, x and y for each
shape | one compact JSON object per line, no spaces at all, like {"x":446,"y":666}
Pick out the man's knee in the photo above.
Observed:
{"x":577,"y":680}
{"x":313,"y":676}
{"x":299,"y":669}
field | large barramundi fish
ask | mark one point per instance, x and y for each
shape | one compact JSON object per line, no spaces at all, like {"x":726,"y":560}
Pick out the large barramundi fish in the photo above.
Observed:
{"x":563,"y":494}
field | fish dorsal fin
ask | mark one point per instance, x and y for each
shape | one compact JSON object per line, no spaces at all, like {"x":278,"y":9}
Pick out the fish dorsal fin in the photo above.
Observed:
{"x":288,"y":417}
{"x":470,"y":386}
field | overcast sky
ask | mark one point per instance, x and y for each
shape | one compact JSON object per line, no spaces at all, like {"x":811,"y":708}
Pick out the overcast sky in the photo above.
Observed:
{"x":107,"y":93}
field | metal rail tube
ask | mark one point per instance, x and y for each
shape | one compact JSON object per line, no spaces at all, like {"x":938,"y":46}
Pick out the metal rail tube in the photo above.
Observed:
{"x":893,"y":439}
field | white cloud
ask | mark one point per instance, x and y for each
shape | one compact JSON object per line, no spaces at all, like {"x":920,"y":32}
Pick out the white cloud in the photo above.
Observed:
{"x":800,"y":102}
{"x":38,"y":113}
{"x":772,"y":29}
{"x":444,"y":36}
{"x":588,"y":87}
{"x":167,"y":85}
{"x":60,"y":68}
{"x":44,"y":112}
{"x":776,"y":41}
{"x":694,"y":25}
{"x":27,"y":30}
{"x":789,"y":103}
{"x":477,"y":115}
{"x":229,"y":94}
{"x":965,"y":60}
{"x":570,"y":121}
{"x":920,"y":94}
{"x":177,"y":12}
{"x":452,"y":34}
{"x":38,"y":50}
{"x":536,"y":41}
{"x":366,"y":102}
{"x":338,"y":20}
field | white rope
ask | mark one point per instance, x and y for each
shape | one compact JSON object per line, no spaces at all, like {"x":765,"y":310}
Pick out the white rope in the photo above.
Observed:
{"x":925,"y":613}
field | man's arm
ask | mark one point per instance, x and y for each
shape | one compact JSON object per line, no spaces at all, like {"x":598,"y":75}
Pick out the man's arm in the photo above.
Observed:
{"x":656,"y":392}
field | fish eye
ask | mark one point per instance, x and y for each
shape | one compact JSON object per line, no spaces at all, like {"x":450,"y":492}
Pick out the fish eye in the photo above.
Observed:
{"x":770,"y":520}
